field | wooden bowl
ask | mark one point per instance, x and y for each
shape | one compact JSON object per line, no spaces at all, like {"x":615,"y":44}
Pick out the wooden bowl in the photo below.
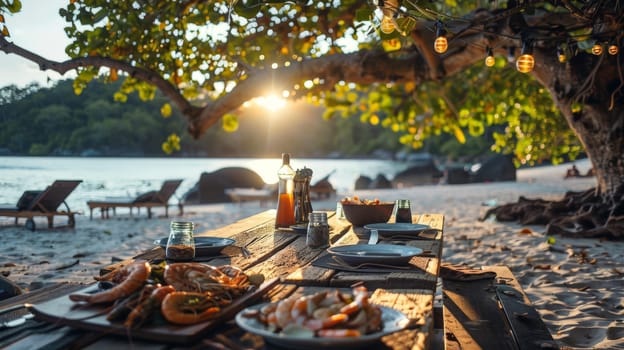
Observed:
{"x":364,"y":214}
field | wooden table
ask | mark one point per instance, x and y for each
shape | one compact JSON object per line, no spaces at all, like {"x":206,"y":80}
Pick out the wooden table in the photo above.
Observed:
{"x":279,"y":254}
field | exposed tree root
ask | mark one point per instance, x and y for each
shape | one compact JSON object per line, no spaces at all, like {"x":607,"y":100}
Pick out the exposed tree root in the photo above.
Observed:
{"x":578,"y":214}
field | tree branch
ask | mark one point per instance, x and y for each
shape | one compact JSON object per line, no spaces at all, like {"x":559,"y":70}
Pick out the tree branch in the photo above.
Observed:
{"x":95,"y":61}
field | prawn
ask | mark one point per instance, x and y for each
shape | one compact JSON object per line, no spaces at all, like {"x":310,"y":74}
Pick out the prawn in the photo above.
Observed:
{"x":189,"y":307}
{"x":194,"y":277}
{"x":283,"y":314}
{"x":360,"y":301}
{"x":128,"y":278}
{"x":141,"y":312}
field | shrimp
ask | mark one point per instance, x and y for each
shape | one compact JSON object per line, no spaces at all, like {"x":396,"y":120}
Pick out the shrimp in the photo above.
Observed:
{"x":360,"y":301}
{"x":283,"y":314}
{"x":338,"y":333}
{"x":141,"y":312}
{"x":128,"y":278}
{"x":194,"y":277}
{"x":189,"y":307}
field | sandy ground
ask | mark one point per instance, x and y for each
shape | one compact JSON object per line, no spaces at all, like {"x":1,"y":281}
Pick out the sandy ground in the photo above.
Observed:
{"x":576,"y":284}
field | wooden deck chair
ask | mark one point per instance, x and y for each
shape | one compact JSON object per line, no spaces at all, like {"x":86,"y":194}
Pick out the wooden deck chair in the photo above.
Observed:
{"x":147,"y":200}
{"x":44,"y":203}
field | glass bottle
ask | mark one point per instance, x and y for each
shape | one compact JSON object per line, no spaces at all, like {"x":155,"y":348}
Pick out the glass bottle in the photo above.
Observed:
{"x":403,"y":212}
{"x":181,"y":244}
{"x":285,"y":201}
{"x":318,"y":230}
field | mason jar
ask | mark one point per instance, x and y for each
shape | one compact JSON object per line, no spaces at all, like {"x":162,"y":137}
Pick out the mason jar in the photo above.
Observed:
{"x":181,"y":243}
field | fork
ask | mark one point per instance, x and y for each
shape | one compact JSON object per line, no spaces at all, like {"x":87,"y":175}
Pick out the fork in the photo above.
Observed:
{"x":343,"y":263}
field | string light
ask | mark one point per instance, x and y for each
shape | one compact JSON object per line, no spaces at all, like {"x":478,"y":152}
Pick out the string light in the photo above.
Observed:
{"x":441,"y":44}
{"x":561,"y":55}
{"x":389,"y":10}
{"x":597,"y":49}
{"x":613,"y":49}
{"x":489,"y":59}
{"x":526,"y":61}
{"x":387,"y":25}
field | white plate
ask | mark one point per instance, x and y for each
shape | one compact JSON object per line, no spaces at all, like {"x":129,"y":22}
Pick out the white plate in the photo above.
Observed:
{"x":204,"y":246}
{"x":399,"y":228}
{"x":392,"y":320}
{"x":391,"y":254}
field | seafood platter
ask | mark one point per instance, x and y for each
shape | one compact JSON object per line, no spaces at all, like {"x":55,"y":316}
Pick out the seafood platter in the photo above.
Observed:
{"x":180,"y":302}
{"x":174,"y":303}
{"x":332,"y":319}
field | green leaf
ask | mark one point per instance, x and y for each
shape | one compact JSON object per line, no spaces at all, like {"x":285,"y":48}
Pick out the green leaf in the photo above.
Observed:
{"x":165,"y":110}
{"x":230,"y":122}
{"x":365,"y":14}
{"x":459,"y":135}
{"x":248,"y":8}
{"x":120,"y":97}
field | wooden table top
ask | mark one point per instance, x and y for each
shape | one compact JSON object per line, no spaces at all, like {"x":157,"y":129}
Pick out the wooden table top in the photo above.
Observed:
{"x":282,"y":255}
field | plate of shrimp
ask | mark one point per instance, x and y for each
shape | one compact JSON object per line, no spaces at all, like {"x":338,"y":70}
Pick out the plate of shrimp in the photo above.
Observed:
{"x":331,"y":319}
{"x":171,"y":303}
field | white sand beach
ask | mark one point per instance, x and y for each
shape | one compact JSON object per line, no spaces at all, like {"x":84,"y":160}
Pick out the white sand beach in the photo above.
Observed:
{"x":577,"y":285}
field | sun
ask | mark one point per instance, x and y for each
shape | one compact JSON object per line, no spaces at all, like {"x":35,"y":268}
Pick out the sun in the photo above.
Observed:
{"x":270,"y":102}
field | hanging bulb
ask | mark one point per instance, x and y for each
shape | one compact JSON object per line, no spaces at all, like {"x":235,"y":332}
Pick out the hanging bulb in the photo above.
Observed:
{"x":597,"y":49}
{"x":441,"y":44}
{"x":561,"y":55}
{"x":489,"y":59}
{"x":526,"y":61}
{"x":511,"y":54}
{"x":387,"y":25}
{"x":613,"y":49}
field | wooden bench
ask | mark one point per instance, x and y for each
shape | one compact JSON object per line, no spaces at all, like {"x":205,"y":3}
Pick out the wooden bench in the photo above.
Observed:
{"x":492,"y":314}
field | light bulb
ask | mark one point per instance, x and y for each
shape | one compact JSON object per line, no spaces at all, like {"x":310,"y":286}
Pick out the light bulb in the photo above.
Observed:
{"x":489,"y":59}
{"x":525,"y":63}
{"x":561,"y":55}
{"x":597,"y":49}
{"x":613,"y":49}
{"x":440,"y":45}
{"x":387,"y":25}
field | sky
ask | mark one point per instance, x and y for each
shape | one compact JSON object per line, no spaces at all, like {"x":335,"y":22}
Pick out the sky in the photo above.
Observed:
{"x":39,"y":28}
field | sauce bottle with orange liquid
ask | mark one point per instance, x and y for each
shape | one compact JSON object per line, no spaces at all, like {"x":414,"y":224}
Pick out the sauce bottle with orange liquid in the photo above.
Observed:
{"x":285,"y":201}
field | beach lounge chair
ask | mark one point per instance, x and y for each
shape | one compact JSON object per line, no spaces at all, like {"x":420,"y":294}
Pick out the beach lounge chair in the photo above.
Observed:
{"x":44,"y":203}
{"x":147,"y":200}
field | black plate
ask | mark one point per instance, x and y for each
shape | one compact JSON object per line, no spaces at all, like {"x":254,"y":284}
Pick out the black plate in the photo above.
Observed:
{"x":204,"y":246}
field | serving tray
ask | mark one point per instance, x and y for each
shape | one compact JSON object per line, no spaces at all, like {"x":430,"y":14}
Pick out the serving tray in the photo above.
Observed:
{"x":63,"y":311}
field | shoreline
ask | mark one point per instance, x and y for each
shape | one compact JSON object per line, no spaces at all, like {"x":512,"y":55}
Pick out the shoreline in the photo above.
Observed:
{"x":575,"y":283}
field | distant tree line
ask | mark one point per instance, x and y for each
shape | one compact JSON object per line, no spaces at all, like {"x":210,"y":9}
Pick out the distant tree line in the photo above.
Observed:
{"x":43,"y":121}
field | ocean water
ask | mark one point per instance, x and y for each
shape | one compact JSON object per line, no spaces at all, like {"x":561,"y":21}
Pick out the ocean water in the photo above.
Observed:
{"x":105,"y":177}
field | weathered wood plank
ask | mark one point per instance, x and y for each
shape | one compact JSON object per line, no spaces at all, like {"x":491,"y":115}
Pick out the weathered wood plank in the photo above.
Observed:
{"x":527,"y":326}
{"x":473,"y":318}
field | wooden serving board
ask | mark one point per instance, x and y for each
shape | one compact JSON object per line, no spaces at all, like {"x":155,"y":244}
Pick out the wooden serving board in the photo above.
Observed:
{"x":63,"y":311}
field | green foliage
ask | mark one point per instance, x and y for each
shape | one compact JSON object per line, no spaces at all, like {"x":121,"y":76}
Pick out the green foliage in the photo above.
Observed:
{"x":204,"y":48}
{"x":61,"y":123}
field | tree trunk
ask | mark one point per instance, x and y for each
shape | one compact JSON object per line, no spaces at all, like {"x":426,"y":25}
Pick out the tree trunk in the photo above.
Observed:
{"x":590,"y":94}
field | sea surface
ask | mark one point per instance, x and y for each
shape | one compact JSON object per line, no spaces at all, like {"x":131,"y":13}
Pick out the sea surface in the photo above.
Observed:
{"x":105,"y":177}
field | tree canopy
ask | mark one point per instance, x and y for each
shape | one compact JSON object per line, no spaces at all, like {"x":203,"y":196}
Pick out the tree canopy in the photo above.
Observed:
{"x":209,"y":57}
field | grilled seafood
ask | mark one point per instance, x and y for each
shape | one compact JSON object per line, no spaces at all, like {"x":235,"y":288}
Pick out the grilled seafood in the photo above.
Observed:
{"x":194,"y":277}
{"x":148,"y":306}
{"x":191,"y":307}
{"x":128,"y":279}
{"x":325,"y":314}
{"x":193,"y":292}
